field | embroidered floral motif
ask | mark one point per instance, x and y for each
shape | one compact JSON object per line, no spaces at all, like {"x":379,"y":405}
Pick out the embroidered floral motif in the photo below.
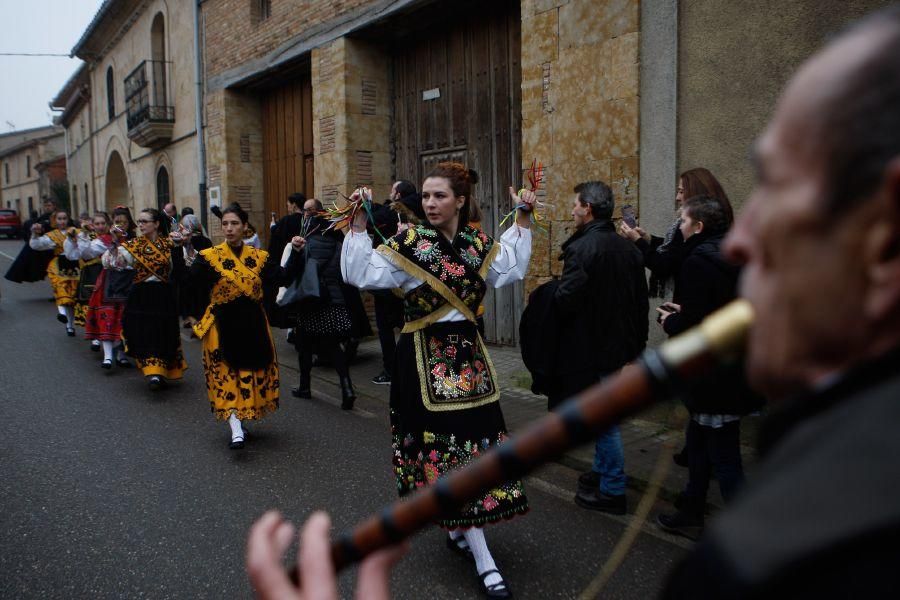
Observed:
{"x":457,"y":368}
{"x":152,"y":258}
{"x":418,"y":463}
{"x":228,"y":264}
{"x":456,"y":266}
{"x":250,"y":262}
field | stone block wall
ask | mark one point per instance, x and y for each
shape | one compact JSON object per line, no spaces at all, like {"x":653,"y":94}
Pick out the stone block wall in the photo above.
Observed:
{"x":234,"y":117}
{"x":580,"y":98}
{"x":235,"y":34}
{"x":351,"y":118}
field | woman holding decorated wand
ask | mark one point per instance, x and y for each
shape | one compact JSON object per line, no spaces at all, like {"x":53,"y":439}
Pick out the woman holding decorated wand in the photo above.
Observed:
{"x":444,"y":405}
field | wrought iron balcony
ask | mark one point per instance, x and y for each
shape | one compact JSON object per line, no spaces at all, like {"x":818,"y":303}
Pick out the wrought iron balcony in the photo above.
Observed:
{"x":149,"y":115}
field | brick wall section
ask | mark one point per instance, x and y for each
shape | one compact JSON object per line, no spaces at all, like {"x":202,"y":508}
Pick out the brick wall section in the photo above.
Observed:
{"x":580,"y":68}
{"x":234,"y":36}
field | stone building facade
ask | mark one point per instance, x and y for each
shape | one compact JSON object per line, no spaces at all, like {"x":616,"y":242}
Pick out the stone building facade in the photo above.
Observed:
{"x":322,"y":97}
{"x":74,"y":101}
{"x":138,"y":120}
{"x":21,"y":185}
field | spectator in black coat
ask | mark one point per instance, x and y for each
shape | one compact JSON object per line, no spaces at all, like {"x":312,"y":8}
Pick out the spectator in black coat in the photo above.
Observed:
{"x":323,"y":322}
{"x":602,"y":308}
{"x":706,"y":282}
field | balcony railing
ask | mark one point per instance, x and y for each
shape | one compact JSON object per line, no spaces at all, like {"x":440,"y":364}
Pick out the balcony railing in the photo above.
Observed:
{"x":149,"y":115}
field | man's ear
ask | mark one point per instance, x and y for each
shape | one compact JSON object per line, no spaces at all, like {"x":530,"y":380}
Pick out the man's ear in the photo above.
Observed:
{"x":700,"y":226}
{"x":882,"y":249}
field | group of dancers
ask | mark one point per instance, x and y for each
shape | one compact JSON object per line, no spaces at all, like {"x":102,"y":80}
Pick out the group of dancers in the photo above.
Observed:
{"x":444,"y":409}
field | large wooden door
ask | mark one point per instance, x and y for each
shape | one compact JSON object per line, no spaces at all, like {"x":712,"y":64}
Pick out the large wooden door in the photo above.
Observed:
{"x":457,"y":96}
{"x":287,"y":144}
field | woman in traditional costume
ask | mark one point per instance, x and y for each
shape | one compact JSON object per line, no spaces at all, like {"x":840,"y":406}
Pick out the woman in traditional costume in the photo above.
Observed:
{"x":150,"y":317}
{"x":444,"y":390}
{"x":63,"y":273}
{"x":238,"y":355}
{"x":89,"y":267}
{"x":103,"y":317}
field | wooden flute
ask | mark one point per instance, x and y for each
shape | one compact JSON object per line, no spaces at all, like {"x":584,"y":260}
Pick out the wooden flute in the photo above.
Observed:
{"x":657,"y":375}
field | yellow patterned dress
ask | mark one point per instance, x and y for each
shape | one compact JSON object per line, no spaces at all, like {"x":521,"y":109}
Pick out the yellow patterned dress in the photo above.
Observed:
{"x":62,"y":272}
{"x":150,"y":323}
{"x":238,"y":354}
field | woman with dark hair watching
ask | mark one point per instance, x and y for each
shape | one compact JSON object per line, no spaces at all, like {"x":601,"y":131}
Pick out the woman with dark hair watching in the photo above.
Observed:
{"x":150,"y":317}
{"x":238,"y":355}
{"x":444,"y":390}
{"x":662,"y":255}
{"x":63,"y":273}
{"x":706,"y":282}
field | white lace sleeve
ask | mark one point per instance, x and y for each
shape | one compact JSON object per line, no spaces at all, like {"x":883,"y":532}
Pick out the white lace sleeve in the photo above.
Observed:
{"x":511,"y":262}
{"x":71,"y":249}
{"x":41,"y":243}
{"x":365,"y":269}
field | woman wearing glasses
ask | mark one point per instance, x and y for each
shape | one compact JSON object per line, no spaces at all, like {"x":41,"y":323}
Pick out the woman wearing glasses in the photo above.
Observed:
{"x":150,"y":318}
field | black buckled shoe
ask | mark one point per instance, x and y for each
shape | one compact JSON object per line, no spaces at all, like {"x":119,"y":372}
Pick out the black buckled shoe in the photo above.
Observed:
{"x":495,"y":590}
{"x":236,"y":443}
{"x":62,"y":318}
{"x":155,"y":382}
{"x":460,"y":546}
{"x":106,"y":364}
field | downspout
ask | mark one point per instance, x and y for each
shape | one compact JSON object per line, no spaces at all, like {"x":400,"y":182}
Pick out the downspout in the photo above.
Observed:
{"x":198,"y":114}
{"x":90,"y":112}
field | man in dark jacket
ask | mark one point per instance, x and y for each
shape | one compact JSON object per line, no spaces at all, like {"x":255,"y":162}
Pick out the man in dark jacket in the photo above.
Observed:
{"x":602,"y":307}
{"x":820,"y":243}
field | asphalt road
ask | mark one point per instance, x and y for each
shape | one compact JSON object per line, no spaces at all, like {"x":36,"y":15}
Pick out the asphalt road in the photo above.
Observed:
{"x":112,"y":491}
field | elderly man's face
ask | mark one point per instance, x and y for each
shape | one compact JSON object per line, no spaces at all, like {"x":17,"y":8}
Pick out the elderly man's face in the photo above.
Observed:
{"x":803,"y":270}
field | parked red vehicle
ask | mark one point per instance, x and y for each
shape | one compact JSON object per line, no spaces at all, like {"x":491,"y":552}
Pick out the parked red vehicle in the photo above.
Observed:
{"x":10,"y":224}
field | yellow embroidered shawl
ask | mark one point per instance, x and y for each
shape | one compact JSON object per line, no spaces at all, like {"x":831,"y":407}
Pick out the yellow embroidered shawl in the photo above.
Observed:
{"x":238,"y":277}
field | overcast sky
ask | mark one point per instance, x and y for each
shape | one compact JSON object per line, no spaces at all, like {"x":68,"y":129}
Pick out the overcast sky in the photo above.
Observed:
{"x":27,"y":84}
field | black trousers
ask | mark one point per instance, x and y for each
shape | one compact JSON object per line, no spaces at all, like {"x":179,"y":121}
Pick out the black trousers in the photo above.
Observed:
{"x":713,"y":450}
{"x":327,"y":345}
{"x":388,"y":314}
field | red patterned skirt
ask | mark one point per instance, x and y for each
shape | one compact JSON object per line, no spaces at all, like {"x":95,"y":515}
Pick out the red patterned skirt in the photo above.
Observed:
{"x":103,"y":319}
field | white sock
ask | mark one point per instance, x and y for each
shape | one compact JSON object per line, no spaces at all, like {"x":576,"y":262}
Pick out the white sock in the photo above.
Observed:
{"x":96,"y":343}
{"x":107,"y":350}
{"x":61,"y":309}
{"x":236,"y":430}
{"x":483,"y":559}
{"x":70,"y":316}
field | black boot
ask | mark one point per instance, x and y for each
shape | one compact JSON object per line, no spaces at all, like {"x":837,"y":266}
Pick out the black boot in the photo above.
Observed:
{"x":348,"y":396}
{"x":303,"y":390}
{"x":687,"y":521}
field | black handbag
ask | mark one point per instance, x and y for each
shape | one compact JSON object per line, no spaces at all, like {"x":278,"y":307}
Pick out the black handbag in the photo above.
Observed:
{"x":88,"y":281}
{"x":118,"y":284}
{"x":305,"y":287}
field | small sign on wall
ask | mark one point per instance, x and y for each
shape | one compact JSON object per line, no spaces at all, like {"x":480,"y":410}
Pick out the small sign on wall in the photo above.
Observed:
{"x":215,"y":196}
{"x":432,"y":94}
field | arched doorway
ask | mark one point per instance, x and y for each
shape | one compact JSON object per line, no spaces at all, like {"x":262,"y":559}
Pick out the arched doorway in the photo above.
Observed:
{"x":162,"y":188}
{"x":116,"y":182}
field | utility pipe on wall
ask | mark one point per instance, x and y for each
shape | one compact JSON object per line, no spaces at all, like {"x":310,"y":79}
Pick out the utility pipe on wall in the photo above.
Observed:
{"x":198,"y":114}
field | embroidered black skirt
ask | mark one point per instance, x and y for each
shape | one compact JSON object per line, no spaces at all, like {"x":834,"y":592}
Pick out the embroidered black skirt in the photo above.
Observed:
{"x":445,"y":412}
